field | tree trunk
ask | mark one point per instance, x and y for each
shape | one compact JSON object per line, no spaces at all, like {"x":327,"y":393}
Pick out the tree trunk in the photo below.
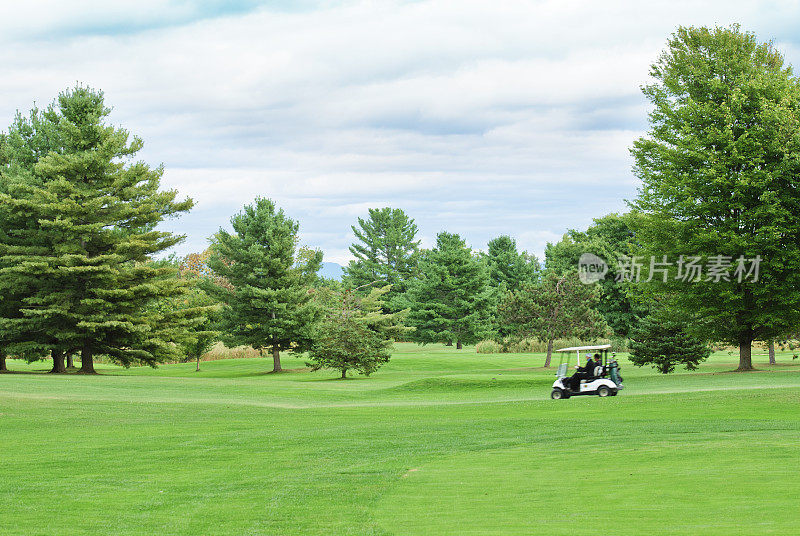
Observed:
{"x":745,"y":346}
{"x":70,"y":361}
{"x":449,"y":343}
{"x":458,"y":345}
{"x":549,"y":353}
{"x":276,"y":359}
{"x":58,"y":362}
{"x":198,"y":364}
{"x":87,"y":361}
{"x":772,"y":351}
{"x":344,"y":373}
{"x":3,"y":362}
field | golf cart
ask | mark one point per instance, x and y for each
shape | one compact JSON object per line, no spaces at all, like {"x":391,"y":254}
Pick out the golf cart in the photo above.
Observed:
{"x":605,"y":380}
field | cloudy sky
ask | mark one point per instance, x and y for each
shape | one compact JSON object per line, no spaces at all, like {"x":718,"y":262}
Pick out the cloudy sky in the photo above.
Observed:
{"x":482,"y":118}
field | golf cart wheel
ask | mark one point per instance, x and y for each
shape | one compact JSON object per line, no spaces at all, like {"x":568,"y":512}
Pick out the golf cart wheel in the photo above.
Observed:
{"x":603,"y":390}
{"x":557,"y":394}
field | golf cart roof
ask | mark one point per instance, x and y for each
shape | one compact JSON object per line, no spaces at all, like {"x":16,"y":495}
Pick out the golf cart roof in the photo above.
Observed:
{"x":581,"y":348}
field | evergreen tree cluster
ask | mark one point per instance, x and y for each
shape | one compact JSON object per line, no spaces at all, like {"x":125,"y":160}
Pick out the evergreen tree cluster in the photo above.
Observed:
{"x":78,"y":218}
{"x":451,"y":299}
{"x":82,"y":267}
{"x":79,"y":241}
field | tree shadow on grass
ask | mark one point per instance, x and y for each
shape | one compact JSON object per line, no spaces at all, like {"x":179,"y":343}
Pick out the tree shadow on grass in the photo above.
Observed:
{"x":527,"y":369}
{"x":48,"y":373}
{"x":340,"y":379}
{"x":757,"y":367}
{"x":273,"y":373}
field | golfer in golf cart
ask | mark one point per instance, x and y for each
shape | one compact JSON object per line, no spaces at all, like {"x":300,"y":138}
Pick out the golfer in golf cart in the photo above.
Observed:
{"x":600,"y":376}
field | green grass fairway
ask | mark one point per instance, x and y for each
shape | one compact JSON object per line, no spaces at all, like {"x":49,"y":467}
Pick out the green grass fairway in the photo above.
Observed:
{"x":438,"y":442}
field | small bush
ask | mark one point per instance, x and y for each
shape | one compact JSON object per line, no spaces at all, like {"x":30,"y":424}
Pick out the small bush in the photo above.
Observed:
{"x":489,"y":347}
{"x":220,"y":351}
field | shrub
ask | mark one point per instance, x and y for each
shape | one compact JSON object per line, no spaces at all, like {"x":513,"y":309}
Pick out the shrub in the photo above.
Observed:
{"x":489,"y":347}
{"x":664,"y":343}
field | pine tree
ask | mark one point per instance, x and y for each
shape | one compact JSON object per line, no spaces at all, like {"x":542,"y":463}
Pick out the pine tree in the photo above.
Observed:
{"x":91,"y":285}
{"x":509,"y":270}
{"x":663,"y":342}
{"x":387,"y":252}
{"x":268,"y":303}
{"x":28,"y":139}
{"x":451,"y":299}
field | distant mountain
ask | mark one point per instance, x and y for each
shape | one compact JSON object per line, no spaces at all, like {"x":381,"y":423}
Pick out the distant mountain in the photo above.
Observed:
{"x":331,"y":270}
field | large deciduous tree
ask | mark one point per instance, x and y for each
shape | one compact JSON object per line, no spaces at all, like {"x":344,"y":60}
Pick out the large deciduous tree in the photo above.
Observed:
{"x":386,"y":253}
{"x":451,"y":298}
{"x":721,"y":177}
{"x":558,"y":307}
{"x":85,"y":215}
{"x":266,"y":296}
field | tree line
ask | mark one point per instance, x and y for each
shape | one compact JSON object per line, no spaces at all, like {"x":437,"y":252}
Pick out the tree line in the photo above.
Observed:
{"x":80,"y":272}
{"x":718,"y":172}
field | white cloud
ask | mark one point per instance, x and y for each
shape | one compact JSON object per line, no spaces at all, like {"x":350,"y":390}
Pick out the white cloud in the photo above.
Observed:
{"x":480,"y":118}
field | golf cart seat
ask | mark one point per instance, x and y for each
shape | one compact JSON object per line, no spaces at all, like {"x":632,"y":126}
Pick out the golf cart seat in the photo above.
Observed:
{"x":599,"y":371}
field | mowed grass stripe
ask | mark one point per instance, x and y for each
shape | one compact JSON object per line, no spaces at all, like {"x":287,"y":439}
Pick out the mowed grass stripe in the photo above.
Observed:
{"x":288,"y":406}
{"x":657,"y":487}
{"x":167,"y":452}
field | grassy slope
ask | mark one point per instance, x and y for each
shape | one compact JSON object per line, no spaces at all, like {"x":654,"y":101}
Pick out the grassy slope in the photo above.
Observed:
{"x":437,"y":442}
